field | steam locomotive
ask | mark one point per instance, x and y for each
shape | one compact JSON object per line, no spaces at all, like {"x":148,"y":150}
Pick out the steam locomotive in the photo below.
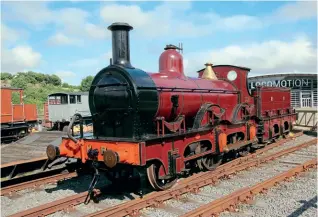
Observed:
{"x":166,"y":124}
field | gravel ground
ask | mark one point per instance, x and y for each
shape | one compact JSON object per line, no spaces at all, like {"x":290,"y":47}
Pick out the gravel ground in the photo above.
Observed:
{"x":293,"y":199}
{"x":296,"y":141}
{"x":29,"y":198}
{"x":82,"y":209}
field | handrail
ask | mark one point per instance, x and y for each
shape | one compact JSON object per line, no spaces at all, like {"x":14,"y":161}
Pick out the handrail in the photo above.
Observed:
{"x":70,"y":126}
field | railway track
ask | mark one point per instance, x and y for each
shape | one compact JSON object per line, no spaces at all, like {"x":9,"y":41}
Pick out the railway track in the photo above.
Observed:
{"x":35,"y":183}
{"x":191,"y":184}
{"x":245,"y":195}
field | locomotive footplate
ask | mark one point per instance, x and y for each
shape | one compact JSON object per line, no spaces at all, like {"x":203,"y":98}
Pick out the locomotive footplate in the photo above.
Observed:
{"x":109,"y":152}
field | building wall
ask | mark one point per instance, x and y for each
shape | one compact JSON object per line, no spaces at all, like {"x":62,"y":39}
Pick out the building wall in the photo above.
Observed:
{"x":303,"y":88}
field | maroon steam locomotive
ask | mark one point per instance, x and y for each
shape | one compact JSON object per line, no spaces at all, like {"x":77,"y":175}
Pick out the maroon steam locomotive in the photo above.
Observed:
{"x":167,"y":124}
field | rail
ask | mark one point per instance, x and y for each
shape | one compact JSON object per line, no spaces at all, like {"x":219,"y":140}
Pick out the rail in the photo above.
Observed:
{"x":37,"y":182}
{"x":246,"y":194}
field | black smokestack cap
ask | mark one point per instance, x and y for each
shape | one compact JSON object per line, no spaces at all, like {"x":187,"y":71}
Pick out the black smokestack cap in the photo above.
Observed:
{"x":120,"y":43}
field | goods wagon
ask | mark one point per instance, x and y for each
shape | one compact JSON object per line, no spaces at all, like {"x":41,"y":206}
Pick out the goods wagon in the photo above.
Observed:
{"x":17,"y":118}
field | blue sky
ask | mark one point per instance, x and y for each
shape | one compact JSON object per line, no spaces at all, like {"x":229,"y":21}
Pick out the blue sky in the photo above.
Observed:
{"x":71,"y":39}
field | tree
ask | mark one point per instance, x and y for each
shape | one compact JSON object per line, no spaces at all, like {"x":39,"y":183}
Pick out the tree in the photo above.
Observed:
{"x":6,"y":76}
{"x":55,"y":80}
{"x":19,"y":81}
{"x":86,"y":83}
{"x":39,"y":77}
{"x":65,"y":85}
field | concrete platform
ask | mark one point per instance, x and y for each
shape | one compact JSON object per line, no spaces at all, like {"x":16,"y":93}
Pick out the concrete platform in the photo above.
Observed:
{"x":29,"y":147}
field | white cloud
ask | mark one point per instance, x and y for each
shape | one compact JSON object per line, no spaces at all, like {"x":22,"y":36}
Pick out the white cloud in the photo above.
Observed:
{"x":70,"y":22}
{"x":160,"y":21}
{"x":19,"y":58}
{"x":238,"y":22}
{"x":61,"y":39}
{"x":35,"y":13}
{"x":296,"y":11}
{"x":74,"y":23}
{"x":177,"y":18}
{"x":163,"y":20}
{"x":93,"y":63}
{"x":65,"y":74}
{"x":96,"y":32}
{"x":8,"y":34}
{"x":266,"y":57}
{"x":132,"y":14}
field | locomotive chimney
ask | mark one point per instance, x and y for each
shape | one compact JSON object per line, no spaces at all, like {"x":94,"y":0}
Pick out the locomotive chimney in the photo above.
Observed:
{"x":120,"y":44}
{"x":209,"y":73}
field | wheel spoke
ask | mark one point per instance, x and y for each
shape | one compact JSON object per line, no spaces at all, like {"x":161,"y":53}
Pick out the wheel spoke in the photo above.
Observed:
{"x":155,"y":181}
{"x":211,"y":161}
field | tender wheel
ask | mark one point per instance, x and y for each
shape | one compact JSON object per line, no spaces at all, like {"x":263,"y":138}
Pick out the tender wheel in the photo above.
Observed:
{"x":155,"y":181}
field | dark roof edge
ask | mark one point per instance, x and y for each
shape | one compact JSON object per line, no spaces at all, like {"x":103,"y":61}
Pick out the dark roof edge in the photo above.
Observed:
{"x":279,"y":75}
{"x":70,"y":93}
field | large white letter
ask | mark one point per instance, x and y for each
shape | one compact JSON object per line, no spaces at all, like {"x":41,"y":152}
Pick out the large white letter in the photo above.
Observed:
{"x":304,"y":82}
{"x":269,"y":83}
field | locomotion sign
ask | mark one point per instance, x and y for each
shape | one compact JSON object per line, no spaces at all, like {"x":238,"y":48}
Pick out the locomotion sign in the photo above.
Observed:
{"x":282,"y":83}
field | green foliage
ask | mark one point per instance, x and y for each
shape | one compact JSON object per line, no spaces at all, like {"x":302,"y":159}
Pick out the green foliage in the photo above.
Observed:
{"x":86,"y":83}
{"x":65,"y":85}
{"x":6,"y":76}
{"x":15,"y":97}
{"x":37,"y":86}
{"x":22,"y":79}
{"x":55,"y":80}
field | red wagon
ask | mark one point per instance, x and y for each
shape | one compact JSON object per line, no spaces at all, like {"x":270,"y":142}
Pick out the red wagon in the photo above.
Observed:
{"x":16,"y":118}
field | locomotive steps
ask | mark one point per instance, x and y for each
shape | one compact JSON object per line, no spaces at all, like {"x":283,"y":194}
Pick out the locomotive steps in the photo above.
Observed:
{"x":195,"y":182}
